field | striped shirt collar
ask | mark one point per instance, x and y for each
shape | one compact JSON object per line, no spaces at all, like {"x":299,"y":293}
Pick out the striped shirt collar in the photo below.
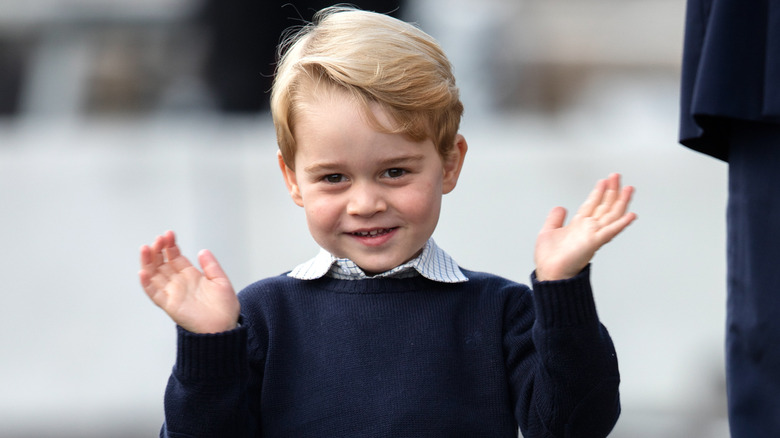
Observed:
{"x":433,"y":263}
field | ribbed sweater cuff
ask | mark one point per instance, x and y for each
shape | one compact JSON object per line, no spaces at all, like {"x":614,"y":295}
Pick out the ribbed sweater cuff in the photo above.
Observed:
{"x":211,"y":356}
{"x":564,"y":303}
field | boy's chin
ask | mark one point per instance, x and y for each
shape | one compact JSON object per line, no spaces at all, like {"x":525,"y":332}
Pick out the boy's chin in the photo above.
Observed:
{"x":372,"y":269}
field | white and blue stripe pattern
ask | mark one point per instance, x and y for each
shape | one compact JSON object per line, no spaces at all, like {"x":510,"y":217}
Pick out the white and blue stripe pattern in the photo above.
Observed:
{"x":433,"y":263}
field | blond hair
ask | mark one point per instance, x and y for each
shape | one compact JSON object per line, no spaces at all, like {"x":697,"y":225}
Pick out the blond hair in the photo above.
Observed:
{"x":378,"y":60}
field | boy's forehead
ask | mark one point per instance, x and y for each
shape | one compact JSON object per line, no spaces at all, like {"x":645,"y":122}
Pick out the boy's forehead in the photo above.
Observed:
{"x":334,"y":148}
{"x":332,"y":104}
{"x":383,"y":148}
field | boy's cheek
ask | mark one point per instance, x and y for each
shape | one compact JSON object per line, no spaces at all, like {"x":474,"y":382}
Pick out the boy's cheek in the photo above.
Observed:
{"x":320,"y":211}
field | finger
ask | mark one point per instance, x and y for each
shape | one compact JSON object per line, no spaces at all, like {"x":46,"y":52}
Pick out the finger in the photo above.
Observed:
{"x":155,"y":271}
{"x":619,"y":208}
{"x":172,"y":251}
{"x":613,"y":229}
{"x":166,"y":241}
{"x":593,"y":200}
{"x":612,"y":188}
{"x":144,"y":278}
{"x":146,"y":255}
{"x":152,"y":263}
{"x":171,"y":260}
{"x":170,"y":238}
{"x":627,"y":193}
{"x":156,"y":251}
{"x":211,"y":267}
{"x":176,"y":261}
{"x":159,"y":243}
{"x":152,"y":286}
{"x":555,"y":219}
{"x":613,"y":180}
{"x":148,"y":269}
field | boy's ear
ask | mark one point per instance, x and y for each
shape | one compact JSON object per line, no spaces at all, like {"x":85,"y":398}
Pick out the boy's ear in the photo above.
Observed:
{"x":453,"y":162}
{"x":290,"y":180}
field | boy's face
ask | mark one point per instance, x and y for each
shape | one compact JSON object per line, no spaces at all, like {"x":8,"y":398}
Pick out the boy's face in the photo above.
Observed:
{"x":371,"y":197}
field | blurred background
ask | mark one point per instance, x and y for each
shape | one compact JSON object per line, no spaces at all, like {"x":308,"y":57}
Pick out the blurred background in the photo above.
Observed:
{"x":120,"y":120}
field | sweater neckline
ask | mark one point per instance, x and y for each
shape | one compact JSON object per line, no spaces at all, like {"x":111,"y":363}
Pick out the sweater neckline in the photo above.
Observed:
{"x":376,"y":285}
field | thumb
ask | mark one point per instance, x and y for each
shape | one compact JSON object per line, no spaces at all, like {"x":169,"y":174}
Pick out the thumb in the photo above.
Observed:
{"x":210,"y":265}
{"x":554,"y":219}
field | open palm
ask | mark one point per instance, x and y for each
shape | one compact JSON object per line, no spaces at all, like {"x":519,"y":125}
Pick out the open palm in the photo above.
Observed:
{"x":201,"y":302}
{"x":563,"y":251}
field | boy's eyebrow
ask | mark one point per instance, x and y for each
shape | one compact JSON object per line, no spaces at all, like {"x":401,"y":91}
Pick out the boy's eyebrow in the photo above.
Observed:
{"x":390,"y":162}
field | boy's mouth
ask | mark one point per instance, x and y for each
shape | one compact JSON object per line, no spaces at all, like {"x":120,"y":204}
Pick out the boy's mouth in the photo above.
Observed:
{"x":373,"y":233}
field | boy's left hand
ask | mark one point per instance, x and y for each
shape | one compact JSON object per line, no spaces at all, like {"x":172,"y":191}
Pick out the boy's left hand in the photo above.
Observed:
{"x":563,"y":251}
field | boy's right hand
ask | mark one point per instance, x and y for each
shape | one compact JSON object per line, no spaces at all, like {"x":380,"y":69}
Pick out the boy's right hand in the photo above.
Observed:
{"x":200,"y":302}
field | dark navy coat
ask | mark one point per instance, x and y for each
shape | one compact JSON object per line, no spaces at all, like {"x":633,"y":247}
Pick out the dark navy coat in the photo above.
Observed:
{"x":731,"y":69}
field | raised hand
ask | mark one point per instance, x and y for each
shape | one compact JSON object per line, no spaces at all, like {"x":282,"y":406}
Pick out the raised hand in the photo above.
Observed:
{"x":563,"y":251}
{"x":201,"y":302}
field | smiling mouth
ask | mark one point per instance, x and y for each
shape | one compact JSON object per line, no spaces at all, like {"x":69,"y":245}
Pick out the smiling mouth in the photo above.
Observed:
{"x":373,"y":233}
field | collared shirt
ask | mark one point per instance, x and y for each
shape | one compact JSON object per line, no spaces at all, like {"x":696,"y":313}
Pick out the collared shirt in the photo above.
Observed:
{"x":432,"y":263}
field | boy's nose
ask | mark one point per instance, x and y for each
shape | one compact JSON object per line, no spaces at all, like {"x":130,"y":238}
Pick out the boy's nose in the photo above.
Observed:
{"x":365,"y":200}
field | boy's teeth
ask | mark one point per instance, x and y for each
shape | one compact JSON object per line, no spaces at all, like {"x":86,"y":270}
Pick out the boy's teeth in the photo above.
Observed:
{"x":371,"y":233}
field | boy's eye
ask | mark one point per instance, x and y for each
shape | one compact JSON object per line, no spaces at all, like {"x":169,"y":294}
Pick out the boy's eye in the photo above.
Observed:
{"x":334,"y":178}
{"x":395,"y":173}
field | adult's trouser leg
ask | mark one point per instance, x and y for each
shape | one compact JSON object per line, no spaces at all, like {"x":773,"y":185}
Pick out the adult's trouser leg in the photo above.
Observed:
{"x":753,"y":308}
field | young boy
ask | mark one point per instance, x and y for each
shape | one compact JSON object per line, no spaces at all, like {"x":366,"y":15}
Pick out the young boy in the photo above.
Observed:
{"x":382,"y":334}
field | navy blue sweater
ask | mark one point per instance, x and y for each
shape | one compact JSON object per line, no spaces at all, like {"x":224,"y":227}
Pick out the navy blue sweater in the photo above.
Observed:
{"x":400,"y":358}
